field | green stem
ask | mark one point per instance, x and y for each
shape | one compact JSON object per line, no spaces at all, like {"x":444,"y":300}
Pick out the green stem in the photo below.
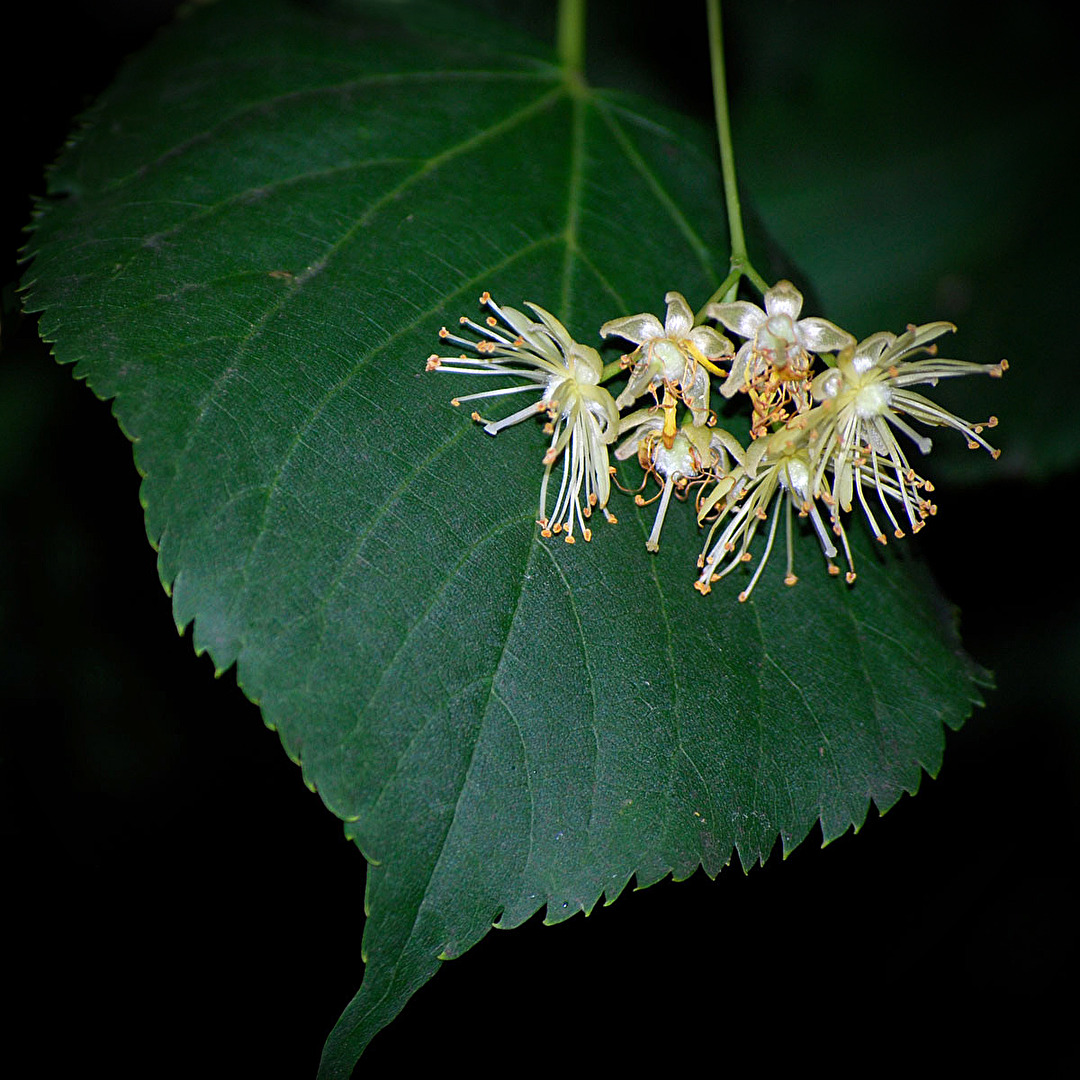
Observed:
{"x":731,"y":282}
{"x":740,"y":260}
{"x":723,"y":131}
{"x":570,"y":38}
{"x":611,"y":369}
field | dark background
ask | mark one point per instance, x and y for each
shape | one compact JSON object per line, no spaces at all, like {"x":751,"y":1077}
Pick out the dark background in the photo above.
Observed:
{"x":178,"y":899}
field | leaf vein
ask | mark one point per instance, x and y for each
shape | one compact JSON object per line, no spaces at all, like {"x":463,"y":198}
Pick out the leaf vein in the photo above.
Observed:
{"x":252,"y":107}
{"x":689,"y":233}
{"x":407,"y":637}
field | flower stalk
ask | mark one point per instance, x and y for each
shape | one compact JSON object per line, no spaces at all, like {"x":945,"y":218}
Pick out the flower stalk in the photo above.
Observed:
{"x":570,"y":38}
{"x":740,"y":259}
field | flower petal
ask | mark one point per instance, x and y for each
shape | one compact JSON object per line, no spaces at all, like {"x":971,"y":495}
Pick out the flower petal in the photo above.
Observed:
{"x":711,"y":343}
{"x":635,"y":328}
{"x":553,"y":326}
{"x":868,"y":351}
{"x":646,"y":371}
{"x":729,"y":443}
{"x":587,"y":363}
{"x":784,"y":299}
{"x":517,"y":320}
{"x":915,"y":337}
{"x":736,"y":380}
{"x":697,"y":395}
{"x":740,"y":316}
{"x":602,"y":407}
{"x":820,"y":335}
{"x":645,"y":421}
{"x":679,"y":318}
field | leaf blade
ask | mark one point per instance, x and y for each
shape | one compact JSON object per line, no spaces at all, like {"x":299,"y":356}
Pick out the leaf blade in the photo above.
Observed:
{"x":327,"y":541}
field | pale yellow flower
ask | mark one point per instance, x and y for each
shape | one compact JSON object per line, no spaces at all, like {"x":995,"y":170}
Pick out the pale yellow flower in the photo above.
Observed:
{"x":774,"y":363}
{"x":675,"y":357}
{"x":863,"y":402}
{"x":778,"y":468}
{"x":582,"y":416}
{"x":696,"y":455}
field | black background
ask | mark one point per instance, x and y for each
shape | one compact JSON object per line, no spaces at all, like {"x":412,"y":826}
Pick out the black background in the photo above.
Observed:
{"x":178,"y":900}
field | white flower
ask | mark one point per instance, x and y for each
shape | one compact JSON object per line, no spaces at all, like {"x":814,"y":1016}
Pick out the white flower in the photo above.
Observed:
{"x":697,"y":454}
{"x":773,"y":363}
{"x":777,"y":466}
{"x":582,"y":417}
{"x":675,"y":357}
{"x":861,"y":402}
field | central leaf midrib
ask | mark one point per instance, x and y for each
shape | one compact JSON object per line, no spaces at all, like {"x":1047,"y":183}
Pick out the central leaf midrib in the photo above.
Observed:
{"x":485,"y":716}
{"x":688,"y":232}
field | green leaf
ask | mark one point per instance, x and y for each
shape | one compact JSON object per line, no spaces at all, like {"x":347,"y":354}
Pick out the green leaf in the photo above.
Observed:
{"x":251,"y":248}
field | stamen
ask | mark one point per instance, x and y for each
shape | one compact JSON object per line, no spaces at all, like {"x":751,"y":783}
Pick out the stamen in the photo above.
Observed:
{"x":653,"y":543}
{"x":495,"y":426}
{"x":744,"y":596}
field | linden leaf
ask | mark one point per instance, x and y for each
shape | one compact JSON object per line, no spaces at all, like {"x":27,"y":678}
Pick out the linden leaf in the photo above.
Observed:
{"x":251,"y":248}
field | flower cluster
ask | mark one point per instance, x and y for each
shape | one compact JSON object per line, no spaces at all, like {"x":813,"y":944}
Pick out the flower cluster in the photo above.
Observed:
{"x":825,"y":416}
